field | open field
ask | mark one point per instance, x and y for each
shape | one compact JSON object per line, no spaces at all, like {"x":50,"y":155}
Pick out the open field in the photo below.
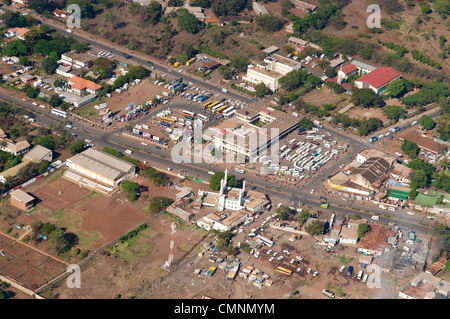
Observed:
{"x":26,"y":265}
{"x":60,"y":193}
{"x":362,"y":113}
{"x":129,"y":269}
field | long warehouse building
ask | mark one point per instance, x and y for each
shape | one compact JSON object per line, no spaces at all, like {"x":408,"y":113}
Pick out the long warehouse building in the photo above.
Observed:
{"x":101,"y":167}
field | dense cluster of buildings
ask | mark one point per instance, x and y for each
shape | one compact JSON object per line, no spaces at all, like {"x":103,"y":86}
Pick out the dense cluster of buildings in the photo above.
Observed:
{"x":232,"y":206}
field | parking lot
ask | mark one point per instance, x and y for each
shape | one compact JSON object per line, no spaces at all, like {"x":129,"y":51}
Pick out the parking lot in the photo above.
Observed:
{"x":301,"y":156}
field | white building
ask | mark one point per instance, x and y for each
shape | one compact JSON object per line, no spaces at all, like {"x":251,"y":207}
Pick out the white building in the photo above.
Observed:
{"x":39,"y":154}
{"x":270,"y":70}
{"x":101,"y":167}
{"x":349,"y":234}
{"x":227,"y":197}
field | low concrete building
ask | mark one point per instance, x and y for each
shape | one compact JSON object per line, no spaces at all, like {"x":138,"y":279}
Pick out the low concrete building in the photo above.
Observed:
{"x":22,"y":200}
{"x":259,"y":8}
{"x":76,"y":60}
{"x":255,"y":201}
{"x":424,"y":143}
{"x":101,"y":167}
{"x":425,"y":286}
{"x":349,"y":234}
{"x":40,"y":153}
{"x":222,"y":221}
{"x":374,"y":243}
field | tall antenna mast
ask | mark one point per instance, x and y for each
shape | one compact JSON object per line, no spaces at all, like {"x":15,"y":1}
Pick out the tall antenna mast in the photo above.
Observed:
{"x":172,"y":245}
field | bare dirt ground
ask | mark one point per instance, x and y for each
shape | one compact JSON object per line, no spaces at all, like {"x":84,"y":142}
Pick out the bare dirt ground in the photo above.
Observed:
{"x":135,"y":266}
{"x":426,"y":34}
{"x":325,"y":96}
{"x":358,"y":112}
{"x":137,"y":94}
{"x":59,"y":194}
{"x":26,"y":265}
{"x":184,"y":284}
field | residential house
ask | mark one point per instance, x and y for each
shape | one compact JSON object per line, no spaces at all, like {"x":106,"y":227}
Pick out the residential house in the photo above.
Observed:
{"x":223,"y":221}
{"x":60,"y":13}
{"x":349,"y":234}
{"x":18,"y":33}
{"x":28,"y":78}
{"x":40,"y":153}
{"x":80,"y":86}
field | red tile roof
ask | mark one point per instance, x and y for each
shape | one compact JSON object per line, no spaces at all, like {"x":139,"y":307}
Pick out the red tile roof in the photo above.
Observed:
{"x":425,"y":143}
{"x":81,"y":84}
{"x":379,"y":77}
{"x":349,"y":68}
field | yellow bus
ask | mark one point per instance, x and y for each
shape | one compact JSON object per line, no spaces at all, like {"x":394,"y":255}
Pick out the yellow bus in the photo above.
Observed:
{"x":177,"y":139}
{"x":206,"y":104}
{"x":190,"y":61}
{"x":284,"y":271}
{"x":213,"y":104}
{"x":167,"y":119}
{"x":219,"y":110}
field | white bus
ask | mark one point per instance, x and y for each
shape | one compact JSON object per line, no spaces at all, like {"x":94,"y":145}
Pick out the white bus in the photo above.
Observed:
{"x":229,"y":113}
{"x":216,"y":107}
{"x":59,"y":113}
{"x":228,"y":109}
{"x":266,"y":241}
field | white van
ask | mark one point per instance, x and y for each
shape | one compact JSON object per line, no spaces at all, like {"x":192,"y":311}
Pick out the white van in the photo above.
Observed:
{"x":360,"y":273}
{"x":374,"y":217}
{"x":128,"y":152}
{"x":366,"y":276}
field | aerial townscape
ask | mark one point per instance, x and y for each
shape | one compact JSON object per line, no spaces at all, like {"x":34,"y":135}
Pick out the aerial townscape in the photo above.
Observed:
{"x":232,"y":150}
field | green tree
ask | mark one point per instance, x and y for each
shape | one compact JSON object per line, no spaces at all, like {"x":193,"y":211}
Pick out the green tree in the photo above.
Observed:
{"x":225,"y":72}
{"x":15,"y":48}
{"x":396,"y":88}
{"x":77,"y":147}
{"x":363,"y":229}
{"x":131,"y":188}
{"x":49,"y":65}
{"x":355,"y":216}
{"x":316,"y":227}
{"x":269,"y":22}
{"x":261,"y":90}
{"x":47,"y":142}
{"x":366,"y":98}
{"x":330,"y":72}
{"x":394,"y":112}
{"x":59,"y":240}
{"x":283,"y":212}
{"x":188,"y":22}
{"x":427,"y":122}
{"x":410,"y":148}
